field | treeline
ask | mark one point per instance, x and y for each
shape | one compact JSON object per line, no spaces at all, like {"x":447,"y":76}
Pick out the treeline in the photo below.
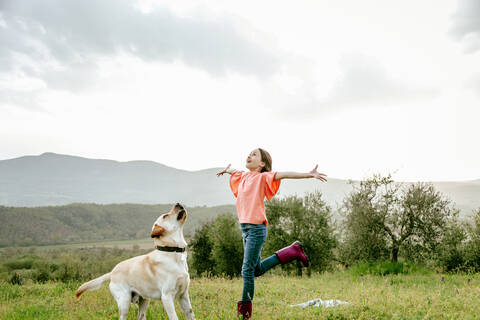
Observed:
{"x":81,"y":222}
{"x":382,"y":221}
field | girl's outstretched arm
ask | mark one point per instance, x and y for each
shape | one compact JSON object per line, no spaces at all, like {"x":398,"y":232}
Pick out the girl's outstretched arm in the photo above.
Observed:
{"x":298,"y":175}
{"x":226,"y":170}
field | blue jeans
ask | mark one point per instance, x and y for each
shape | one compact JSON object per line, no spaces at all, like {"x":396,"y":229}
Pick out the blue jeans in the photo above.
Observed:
{"x":254,"y":236}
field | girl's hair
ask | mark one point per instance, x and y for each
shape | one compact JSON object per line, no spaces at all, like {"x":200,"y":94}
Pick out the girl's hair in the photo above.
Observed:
{"x":267,"y":159}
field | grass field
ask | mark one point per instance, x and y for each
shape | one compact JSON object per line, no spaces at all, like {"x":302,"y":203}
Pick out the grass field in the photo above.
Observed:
{"x":122,"y":244}
{"x":370,"y":297}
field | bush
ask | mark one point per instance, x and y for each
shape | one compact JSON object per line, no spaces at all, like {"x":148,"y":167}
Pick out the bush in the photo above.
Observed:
{"x":202,"y":262}
{"x":227,"y":248}
{"x":459,"y":250}
{"x":217,"y":248}
{"x":43,"y":271}
{"x":70,"y":269}
{"x":472,"y":247}
{"x":15,"y":279}
{"x":305,"y":219}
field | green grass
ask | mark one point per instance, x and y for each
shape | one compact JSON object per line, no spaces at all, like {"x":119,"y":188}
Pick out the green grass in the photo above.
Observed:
{"x":383,"y":268}
{"x":411,"y":296}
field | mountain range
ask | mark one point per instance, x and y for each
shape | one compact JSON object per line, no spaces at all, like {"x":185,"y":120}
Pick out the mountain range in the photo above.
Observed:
{"x":55,"y":179}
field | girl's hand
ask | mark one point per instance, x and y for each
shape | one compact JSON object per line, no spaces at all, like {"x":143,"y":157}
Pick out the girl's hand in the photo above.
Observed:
{"x":320,"y":176}
{"x":224,"y":171}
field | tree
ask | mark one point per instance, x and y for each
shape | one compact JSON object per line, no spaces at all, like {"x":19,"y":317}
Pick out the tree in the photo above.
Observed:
{"x":217,"y":247}
{"x":202,"y":246}
{"x":472,"y":251}
{"x":430,"y":216}
{"x":227,"y":246}
{"x":305,"y":219}
{"x":363,"y":232}
{"x":451,"y":255}
{"x":382,"y":215}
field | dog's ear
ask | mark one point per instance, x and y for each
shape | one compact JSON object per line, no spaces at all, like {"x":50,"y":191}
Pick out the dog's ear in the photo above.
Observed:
{"x":157,"y":231}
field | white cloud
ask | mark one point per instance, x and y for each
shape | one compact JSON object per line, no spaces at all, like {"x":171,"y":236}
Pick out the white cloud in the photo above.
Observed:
{"x":466,"y":25}
{"x":473,"y":83}
{"x":61,"y":42}
{"x":360,"y":81}
{"x":365,"y":81}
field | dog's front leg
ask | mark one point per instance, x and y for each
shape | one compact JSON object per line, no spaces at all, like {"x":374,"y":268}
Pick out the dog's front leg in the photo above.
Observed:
{"x":186,"y":306}
{"x":169,"y":306}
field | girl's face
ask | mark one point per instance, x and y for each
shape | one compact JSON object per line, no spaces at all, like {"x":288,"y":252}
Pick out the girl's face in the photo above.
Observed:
{"x":254,"y":161}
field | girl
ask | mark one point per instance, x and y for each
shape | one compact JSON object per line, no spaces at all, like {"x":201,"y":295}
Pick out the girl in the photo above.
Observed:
{"x":250,"y":188}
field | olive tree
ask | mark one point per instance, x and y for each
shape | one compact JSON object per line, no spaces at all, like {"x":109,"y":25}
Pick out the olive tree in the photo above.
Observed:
{"x":217,"y":247}
{"x":202,"y":261}
{"x":381,"y":215}
{"x":473,"y":246}
{"x":306,"y":219}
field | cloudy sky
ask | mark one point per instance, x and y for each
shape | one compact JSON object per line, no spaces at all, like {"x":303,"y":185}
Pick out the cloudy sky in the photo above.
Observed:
{"x":358,"y":87}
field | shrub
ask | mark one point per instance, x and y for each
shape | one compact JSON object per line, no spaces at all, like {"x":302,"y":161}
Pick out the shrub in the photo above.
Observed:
{"x":227,"y":248}
{"x":472,"y":247}
{"x":15,"y":279}
{"x":305,"y":219}
{"x":42,"y":272}
{"x":202,"y":261}
{"x":217,"y":248}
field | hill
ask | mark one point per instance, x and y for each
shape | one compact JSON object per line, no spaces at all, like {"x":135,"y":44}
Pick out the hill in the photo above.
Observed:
{"x":55,"y":179}
{"x":80,"y":222}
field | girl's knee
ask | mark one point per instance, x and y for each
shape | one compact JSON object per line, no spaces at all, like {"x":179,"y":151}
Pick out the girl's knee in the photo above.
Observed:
{"x":259,"y":272}
{"x":248,"y":269}
{"x":248,"y":273}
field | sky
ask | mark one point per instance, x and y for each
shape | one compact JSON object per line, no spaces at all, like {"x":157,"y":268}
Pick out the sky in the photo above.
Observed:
{"x":357,"y":87}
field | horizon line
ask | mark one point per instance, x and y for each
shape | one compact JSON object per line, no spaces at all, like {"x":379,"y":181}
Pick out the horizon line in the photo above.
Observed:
{"x":175,"y":168}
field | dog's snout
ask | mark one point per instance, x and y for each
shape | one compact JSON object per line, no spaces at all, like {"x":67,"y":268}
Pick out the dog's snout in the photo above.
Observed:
{"x":179,"y":206}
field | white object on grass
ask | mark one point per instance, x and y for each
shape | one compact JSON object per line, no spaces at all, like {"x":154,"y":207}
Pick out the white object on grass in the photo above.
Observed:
{"x":320,"y":303}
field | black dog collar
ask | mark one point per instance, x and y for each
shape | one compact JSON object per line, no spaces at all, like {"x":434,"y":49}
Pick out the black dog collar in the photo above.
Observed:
{"x":170,"y":249}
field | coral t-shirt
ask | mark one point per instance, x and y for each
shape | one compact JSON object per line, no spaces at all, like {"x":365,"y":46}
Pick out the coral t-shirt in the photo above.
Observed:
{"x":251,"y":188}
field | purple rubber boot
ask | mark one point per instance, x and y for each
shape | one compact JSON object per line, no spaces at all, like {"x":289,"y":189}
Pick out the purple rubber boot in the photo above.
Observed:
{"x":244,"y":308}
{"x":292,"y":252}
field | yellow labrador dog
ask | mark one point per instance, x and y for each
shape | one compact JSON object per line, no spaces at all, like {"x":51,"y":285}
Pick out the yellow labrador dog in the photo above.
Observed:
{"x":161,"y":274}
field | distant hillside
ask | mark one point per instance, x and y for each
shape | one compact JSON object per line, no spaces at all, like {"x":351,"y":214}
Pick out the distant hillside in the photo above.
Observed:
{"x":90,"y":222}
{"x":54,"y":179}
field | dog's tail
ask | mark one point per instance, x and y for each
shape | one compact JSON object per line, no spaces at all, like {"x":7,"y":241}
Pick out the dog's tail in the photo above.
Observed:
{"x":92,"y":284}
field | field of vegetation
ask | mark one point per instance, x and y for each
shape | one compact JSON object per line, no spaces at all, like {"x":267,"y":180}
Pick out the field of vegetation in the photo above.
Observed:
{"x":411,"y":296}
{"x":39,"y":283}
{"x":400,"y":252}
{"x":87,"y":222}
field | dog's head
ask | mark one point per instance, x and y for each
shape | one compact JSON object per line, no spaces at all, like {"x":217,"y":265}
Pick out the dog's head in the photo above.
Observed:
{"x":170,"y":223}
